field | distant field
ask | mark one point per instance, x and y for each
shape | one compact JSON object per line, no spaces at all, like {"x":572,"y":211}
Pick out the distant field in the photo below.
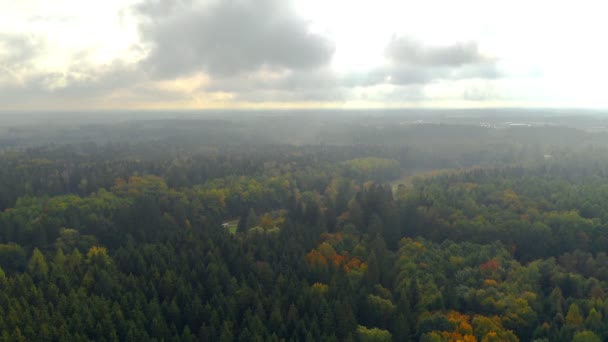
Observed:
{"x":406,"y":178}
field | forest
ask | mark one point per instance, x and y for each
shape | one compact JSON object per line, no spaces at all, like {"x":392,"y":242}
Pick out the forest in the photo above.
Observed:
{"x":266,"y":229}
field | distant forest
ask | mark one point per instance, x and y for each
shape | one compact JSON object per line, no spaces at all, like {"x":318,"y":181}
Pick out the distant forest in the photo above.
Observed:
{"x":305,"y":228}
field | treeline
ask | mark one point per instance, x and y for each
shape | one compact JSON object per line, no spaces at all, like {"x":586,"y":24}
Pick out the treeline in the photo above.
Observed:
{"x":85,"y":168}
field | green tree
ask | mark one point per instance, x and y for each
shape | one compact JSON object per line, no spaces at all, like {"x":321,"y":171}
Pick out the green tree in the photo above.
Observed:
{"x":593,"y":321}
{"x":586,"y":336}
{"x":574,"y":317}
{"x":373,"y":334}
{"x":226,"y":334}
{"x":37,"y":266}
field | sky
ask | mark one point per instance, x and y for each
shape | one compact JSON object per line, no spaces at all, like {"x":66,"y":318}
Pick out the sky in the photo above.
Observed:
{"x":188,"y":54}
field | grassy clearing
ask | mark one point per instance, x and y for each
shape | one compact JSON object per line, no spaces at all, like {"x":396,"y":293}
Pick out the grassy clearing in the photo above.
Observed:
{"x":407,"y":178}
{"x":231,"y":226}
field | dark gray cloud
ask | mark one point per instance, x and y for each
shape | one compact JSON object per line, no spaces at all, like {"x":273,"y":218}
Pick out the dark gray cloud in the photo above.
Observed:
{"x":323,"y":85}
{"x":229,"y":37}
{"x":289,"y":81}
{"x":304,"y":86}
{"x":402,"y":50}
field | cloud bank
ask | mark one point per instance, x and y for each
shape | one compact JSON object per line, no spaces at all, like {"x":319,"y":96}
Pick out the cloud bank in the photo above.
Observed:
{"x":231,"y":37}
{"x":249,"y":51}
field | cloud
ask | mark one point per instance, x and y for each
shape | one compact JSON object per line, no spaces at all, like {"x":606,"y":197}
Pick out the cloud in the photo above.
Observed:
{"x":97,"y":80}
{"x":229,"y":37}
{"x":267,"y":80}
{"x":403,"y":50}
{"x":162,"y":8}
{"x":335,"y":95}
{"x":78,"y":84}
{"x":17,"y":52}
{"x":228,"y":51}
{"x":411,"y":62}
{"x":18,"y":48}
{"x":396,"y":80}
{"x":284,"y":86}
